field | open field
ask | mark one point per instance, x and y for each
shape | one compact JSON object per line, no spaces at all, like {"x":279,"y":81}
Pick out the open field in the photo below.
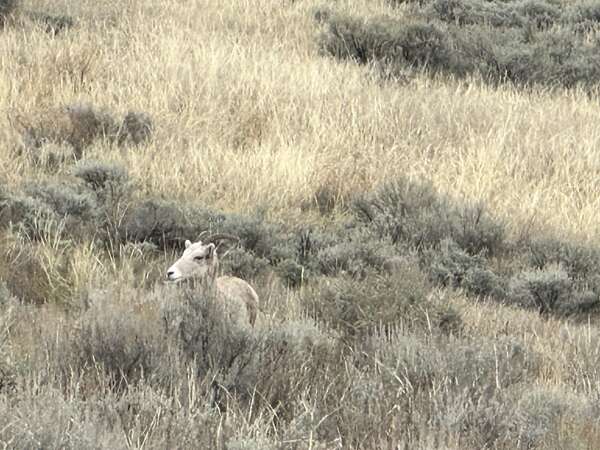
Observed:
{"x":423,"y":235}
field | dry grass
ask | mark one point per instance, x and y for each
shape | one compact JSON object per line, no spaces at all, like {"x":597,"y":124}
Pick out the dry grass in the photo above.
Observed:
{"x":249,"y":115}
{"x":249,"y":86}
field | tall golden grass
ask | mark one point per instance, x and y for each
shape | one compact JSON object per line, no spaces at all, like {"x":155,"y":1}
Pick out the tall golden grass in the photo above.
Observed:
{"x":249,"y":113}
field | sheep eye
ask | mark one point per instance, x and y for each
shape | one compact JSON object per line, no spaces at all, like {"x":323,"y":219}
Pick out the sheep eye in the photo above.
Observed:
{"x":198,"y":258}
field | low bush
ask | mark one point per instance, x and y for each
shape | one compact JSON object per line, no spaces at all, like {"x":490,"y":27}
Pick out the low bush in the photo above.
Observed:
{"x":46,"y":418}
{"x":455,"y":38}
{"x":418,"y":45}
{"x":469,"y":12}
{"x":580,"y":262}
{"x":208,"y":332}
{"x":359,"y":253}
{"x":53,"y":25}
{"x":449,"y":265}
{"x":359,"y":307}
{"x":104,"y":179}
{"x":34,"y":272}
{"x":137,"y":127}
{"x":31,"y":216}
{"x":538,"y":13}
{"x":292,"y":273}
{"x":274,"y":365}
{"x":405,"y":212}
{"x":79,"y":125}
{"x":544,"y":290}
{"x":539,"y":416}
{"x":264,"y":239}
{"x":7,"y":7}
{"x":287,"y":359}
{"x":117,"y":344}
{"x":473,"y":384}
{"x":415,"y":214}
{"x":160,"y":222}
{"x":243,"y":264}
{"x":66,"y":201}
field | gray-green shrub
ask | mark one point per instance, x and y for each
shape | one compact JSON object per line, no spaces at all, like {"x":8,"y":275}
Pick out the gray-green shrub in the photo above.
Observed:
{"x":359,"y":307}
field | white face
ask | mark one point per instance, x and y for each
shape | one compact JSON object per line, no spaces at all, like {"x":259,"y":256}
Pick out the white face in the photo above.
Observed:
{"x":197,"y":260}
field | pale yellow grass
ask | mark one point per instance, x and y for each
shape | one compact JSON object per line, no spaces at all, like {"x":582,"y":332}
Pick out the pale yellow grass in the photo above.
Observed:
{"x":567,"y":353}
{"x":250,"y":114}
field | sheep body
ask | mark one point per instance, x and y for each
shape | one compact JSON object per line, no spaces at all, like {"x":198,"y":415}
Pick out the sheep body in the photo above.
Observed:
{"x":200,"y":262}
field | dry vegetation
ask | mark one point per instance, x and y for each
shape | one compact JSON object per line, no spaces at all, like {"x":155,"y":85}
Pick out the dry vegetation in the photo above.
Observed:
{"x":414,"y":185}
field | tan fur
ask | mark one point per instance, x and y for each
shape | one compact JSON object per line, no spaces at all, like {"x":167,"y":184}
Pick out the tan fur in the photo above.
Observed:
{"x":232,"y":289}
{"x":200,"y":262}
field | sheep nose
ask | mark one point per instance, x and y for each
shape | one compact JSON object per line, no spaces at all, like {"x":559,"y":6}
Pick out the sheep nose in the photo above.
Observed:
{"x":170,"y":273}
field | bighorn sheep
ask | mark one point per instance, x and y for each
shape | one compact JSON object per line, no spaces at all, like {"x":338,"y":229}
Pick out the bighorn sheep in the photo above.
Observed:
{"x":200,"y":262}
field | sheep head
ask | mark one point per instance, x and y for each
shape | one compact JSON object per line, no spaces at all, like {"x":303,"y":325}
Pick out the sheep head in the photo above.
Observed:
{"x":199,"y":260}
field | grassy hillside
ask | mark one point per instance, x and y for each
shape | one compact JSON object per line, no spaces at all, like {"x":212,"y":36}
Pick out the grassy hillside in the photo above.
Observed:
{"x":414,"y":185}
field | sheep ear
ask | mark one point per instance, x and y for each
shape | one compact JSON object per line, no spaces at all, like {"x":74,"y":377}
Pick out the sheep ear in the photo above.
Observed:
{"x":188,"y":243}
{"x":211,"y":250}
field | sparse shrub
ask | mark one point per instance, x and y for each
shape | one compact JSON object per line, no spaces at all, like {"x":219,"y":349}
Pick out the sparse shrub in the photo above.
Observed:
{"x":581,"y":262}
{"x":263,"y":239}
{"x":326,"y":199}
{"x":112,"y":189}
{"x":209,"y":332}
{"x":137,"y":127}
{"x":64,"y":200}
{"x":287,"y":358}
{"x":50,"y":155}
{"x":553,"y":59}
{"x":469,"y":12}
{"x":544,"y":290}
{"x":36,"y":273}
{"x":46,"y":418}
{"x":251,"y":444}
{"x":112,"y":338}
{"x":540,"y":13}
{"x":322,"y":14}
{"x":85,"y":124}
{"x":274,"y":365}
{"x":413,"y":213}
{"x":415,"y":360}
{"x":53,"y":25}
{"x":418,"y":45}
{"x":476,"y":232}
{"x":292,"y":273}
{"x":103,"y":178}
{"x":30,"y":216}
{"x":79,"y":125}
{"x":452,"y":266}
{"x":580,"y":359}
{"x":509,"y":52}
{"x":6,"y":296}
{"x":583,"y":16}
{"x":243,"y":264}
{"x":499,"y":363}
{"x":472,"y":383}
{"x":538,"y":416}
{"x":404,"y":211}
{"x":7,"y":7}
{"x":359,"y":307}
{"x":7,"y":368}
{"x":357,"y":255}
{"x":310,"y":241}
{"x":47,"y":209}
{"x":483,"y":282}
{"x":160,"y":222}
